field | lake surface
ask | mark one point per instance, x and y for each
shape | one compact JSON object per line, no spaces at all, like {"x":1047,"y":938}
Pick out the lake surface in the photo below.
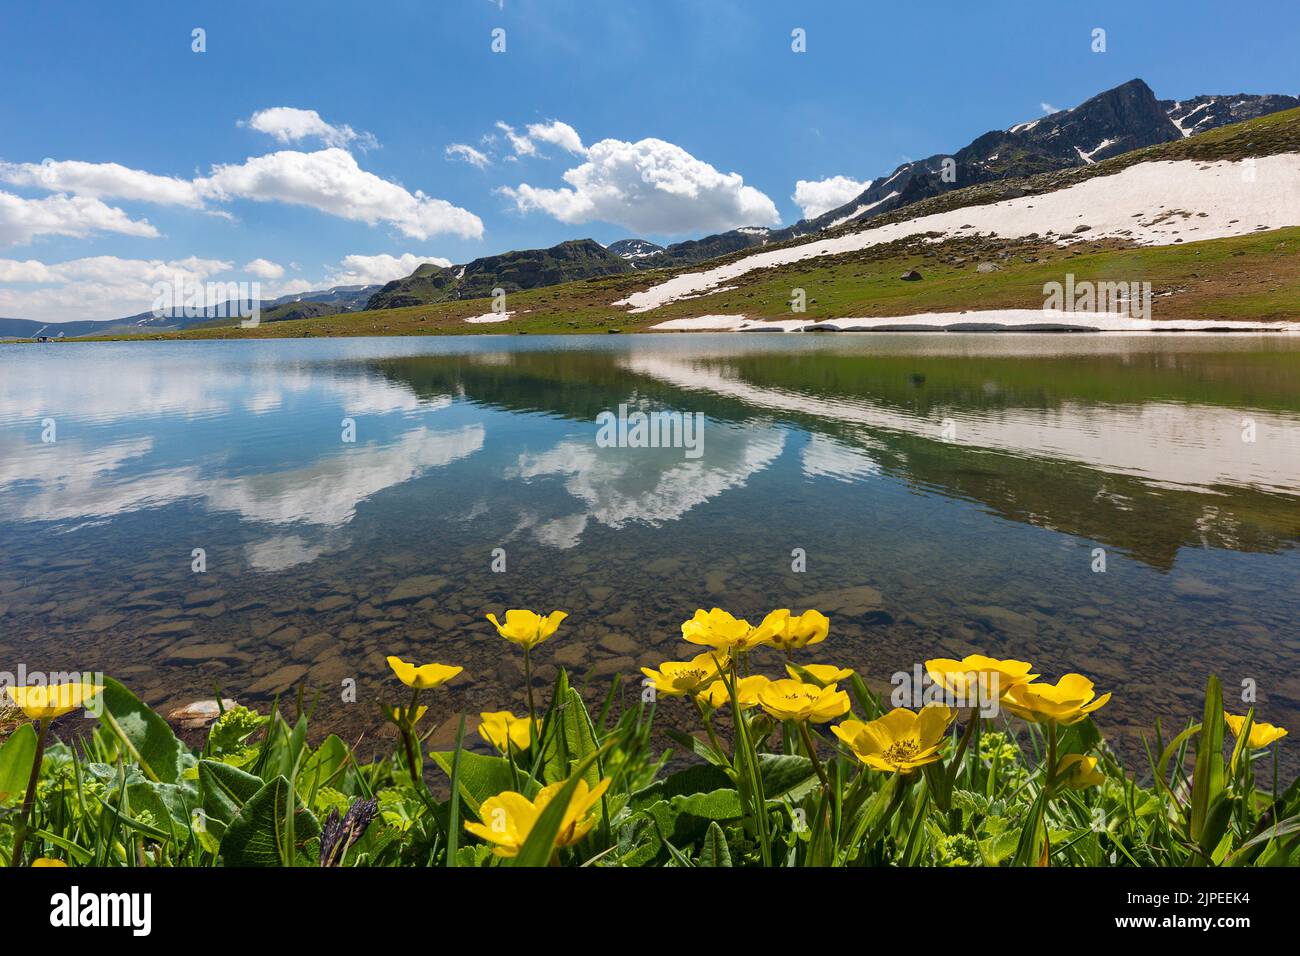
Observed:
{"x":950,"y":493}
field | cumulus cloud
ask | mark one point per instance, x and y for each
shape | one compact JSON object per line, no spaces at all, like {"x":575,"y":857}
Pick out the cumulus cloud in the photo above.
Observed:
{"x":558,"y":134}
{"x":330,"y":180}
{"x":264,"y":269}
{"x":107,"y":287}
{"x":650,"y":186}
{"x":520,"y":143}
{"x":817,"y":196}
{"x":468,"y":154}
{"x":289,"y":124}
{"x":102,"y":181}
{"x":375,"y":270}
{"x":22,"y":220}
{"x":96,"y":287}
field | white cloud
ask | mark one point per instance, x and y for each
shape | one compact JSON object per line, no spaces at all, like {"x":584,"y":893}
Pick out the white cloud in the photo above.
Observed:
{"x":330,"y":180}
{"x":375,"y":270}
{"x":264,"y":269}
{"x":1048,"y":108}
{"x":97,"y":287}
{"x":289,"y":124}
{"x":559,"y":134}
{"x":650,"y":186}
{"x":22,"y":220}
{"x":101,"y":181}
{"x":108,"y":287}
{"x":817,"y":196}
{"x":468,"y":154}
{"x":522,"y":145}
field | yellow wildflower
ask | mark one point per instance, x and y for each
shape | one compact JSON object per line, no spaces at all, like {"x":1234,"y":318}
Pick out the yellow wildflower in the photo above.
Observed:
{"x":791,"y":700}
{"x":509,"y":817}
{"x":677,"y":678}
{"x":1066,"y":702}
{"x":900,"y":741}
{"x":39,"y":702}
{"x":793,"y":631}
{"x":499,"y":726}
{"x":1261,"y":734}
{"x":527,"y":628}
{"x":423,"y":676}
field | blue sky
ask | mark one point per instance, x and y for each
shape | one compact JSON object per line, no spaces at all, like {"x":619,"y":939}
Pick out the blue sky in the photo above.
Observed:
{"x":703,"y":93}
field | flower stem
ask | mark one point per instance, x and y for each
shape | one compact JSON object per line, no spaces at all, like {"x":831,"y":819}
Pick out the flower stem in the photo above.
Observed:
{"x":812,"y":753}
{"x":408,"y":725}
{"x":708,"y":725}
{"x":16,"y":859}
{"x":528,"y":679}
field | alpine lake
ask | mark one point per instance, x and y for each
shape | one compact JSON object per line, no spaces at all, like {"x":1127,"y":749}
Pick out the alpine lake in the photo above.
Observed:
{"x":256,"y":517}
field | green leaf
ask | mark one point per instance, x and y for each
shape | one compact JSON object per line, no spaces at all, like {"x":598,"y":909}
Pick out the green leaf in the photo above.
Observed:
{"x":143,"y":734}
{"x":256,"y":836}
{"x":16,"y":756}
{"x":715,"y":851}
{"x":223,"y":790}
{"x":453,"y":810}
{"x":1208,"y":778}
{"x":786,"y":776}
{"x":325,"y":766}
{"x":478,"y":776}
{"x":537,"y":849}
{"x":700,"y":778}
{"x":577,"y":739}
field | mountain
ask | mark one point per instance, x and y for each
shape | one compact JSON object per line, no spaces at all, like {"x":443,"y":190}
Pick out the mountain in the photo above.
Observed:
{"x":343,"y":298}
{"x":633,"y":249}
{"x":1117,"y":121}
{"x":511,"y":271}
{"x":143,"y":323}
{"x":1208,"y":112}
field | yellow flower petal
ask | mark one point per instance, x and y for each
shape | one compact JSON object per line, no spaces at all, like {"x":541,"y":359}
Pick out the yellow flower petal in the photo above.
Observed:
{"x":39,"y":702}
{"x":527,"y":628}
{"x":424,"y":676}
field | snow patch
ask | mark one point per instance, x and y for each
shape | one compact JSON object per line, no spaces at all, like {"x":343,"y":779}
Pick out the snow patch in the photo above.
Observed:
{"x":1154,"y":204}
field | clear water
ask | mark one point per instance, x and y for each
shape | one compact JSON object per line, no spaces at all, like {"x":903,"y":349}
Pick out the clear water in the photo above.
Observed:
{"x":949,"y":492}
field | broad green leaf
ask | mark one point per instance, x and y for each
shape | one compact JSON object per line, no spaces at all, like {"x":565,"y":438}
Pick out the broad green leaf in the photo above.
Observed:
{"x":700,"y":778}
{"x":715,"y":851}
{"x":257,"y":834}
{"x":570,"y":739}
{"x":479,"y":776}
{"x":223,"y":790}
{"x":718,"y":805}
{"x":325,"y":766}
{"x":786,"y":776}
{"x":145,"y":736}
{"x":16,"y":756}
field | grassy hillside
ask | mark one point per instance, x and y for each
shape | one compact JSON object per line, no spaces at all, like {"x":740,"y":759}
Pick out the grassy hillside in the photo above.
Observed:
{"x":510,"y":271}
{"x":1255,"y":277}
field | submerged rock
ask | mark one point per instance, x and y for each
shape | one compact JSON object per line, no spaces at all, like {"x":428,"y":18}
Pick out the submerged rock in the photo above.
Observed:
{"x":200,"y":713}
{"x":415,"y":588}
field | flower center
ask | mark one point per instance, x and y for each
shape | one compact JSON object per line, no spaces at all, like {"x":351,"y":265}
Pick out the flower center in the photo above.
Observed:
{"x":901,"y":751}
